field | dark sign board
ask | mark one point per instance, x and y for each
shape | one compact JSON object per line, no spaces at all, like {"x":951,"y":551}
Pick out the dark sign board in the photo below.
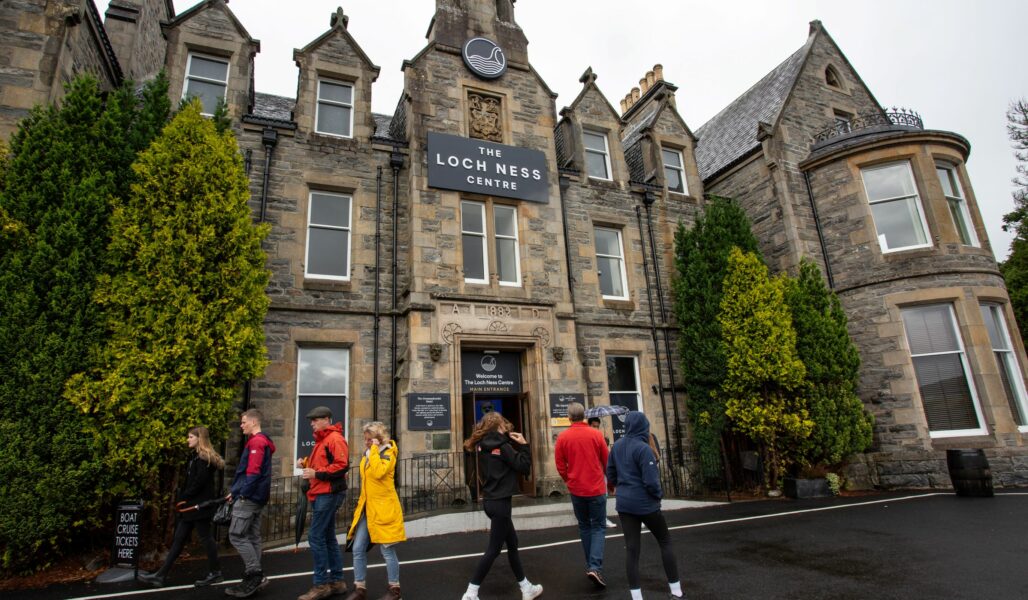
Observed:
{"x":490,"y":371}
{"x":304,"y":434}
{"x":559,"y":408}
{"x":629,"y":399}
{"x":428,"y":412}
{"x":466,"y":165}
{"x":127,"y":524}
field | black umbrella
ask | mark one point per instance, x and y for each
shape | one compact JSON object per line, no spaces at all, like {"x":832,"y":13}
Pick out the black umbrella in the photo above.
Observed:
{"x":605,"y":411}
{"x":301,"y":512}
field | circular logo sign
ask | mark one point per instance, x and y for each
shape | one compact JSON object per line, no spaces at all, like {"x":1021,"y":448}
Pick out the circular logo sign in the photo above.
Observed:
{"x":484,"y":58}
{"x":489,"y":363}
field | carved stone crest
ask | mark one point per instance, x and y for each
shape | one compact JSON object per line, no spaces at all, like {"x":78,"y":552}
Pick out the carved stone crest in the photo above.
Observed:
{"x":484,"y":119}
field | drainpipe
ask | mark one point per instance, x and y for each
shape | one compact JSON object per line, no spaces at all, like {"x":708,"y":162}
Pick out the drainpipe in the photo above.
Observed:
{"x":656,"y":347}
{"x":378,"y":269}
{"x":648,"y":198}
{"x":269,"y":138}
{"x":396,"y":162}
{"x":564,"y":182}
{"x":820,"y":234}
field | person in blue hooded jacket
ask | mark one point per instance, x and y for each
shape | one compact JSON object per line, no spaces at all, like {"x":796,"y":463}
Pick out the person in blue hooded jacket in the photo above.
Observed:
{"x":633,"y":474}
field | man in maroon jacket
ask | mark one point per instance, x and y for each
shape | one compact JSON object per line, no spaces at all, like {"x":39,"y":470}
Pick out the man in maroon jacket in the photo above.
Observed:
{"x":581,"y":457}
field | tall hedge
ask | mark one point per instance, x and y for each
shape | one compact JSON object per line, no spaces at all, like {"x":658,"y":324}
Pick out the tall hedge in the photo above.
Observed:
{"x":65,"y":165}
{"x":763,"y":390}
{"x":183,"y":305}
{"x":841,"y":424}
{"x":701,"y":263}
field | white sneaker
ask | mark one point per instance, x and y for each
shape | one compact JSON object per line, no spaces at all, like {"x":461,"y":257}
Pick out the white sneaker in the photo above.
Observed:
{"x":469,"y":596}
{"x":533,"y":591}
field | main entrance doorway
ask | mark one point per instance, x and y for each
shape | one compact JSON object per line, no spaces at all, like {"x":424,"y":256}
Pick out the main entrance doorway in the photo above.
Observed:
{"x":491,"y":382}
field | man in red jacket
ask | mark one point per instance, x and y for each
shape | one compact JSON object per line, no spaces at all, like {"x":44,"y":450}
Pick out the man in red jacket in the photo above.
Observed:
{"x":325,"y":469}
{"x":581,"y":457}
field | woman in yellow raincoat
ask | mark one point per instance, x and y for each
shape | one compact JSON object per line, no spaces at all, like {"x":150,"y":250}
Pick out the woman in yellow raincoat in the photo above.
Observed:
{"x":378,"y":518}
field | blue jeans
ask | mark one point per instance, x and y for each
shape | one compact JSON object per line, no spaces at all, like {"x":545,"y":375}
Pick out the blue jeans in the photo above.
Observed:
{"x":328,"y":560}
{"x":591,"y":512}
{"x":361,"y":544}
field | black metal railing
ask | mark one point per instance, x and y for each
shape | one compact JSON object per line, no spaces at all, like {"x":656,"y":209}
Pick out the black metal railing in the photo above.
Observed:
{"x":895,"y":117}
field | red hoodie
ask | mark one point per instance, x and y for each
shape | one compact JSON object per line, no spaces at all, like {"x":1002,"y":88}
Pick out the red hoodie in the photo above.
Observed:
{"x":581,"y":457}
{"x":332,"y":438}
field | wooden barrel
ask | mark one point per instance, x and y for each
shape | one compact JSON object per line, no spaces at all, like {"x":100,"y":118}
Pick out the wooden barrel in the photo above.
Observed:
{"x":970,"y":473}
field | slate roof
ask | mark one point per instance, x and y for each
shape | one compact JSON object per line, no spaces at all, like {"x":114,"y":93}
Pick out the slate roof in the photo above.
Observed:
{"x":732,"y":133}
{"x":279,"y":110}
{"x":632,"y":133}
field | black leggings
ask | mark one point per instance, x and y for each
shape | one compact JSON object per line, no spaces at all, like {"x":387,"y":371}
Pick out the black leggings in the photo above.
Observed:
{"x":632,"y":527}
{"x":501,"y":530}
{"x":183,"y":530}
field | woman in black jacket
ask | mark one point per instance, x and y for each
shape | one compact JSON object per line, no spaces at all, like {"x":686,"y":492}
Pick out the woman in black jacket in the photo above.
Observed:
{"x":195,"y":509}
{"x":501,"y":455}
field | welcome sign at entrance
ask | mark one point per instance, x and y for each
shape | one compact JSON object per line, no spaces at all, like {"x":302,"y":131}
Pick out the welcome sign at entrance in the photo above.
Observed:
{"x":490,"y":371}
{"x":487,"y":168}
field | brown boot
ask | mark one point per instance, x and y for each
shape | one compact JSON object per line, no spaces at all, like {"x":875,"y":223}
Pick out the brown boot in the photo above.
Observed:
{"x":318,"y":592}
{"x":338,"y":587}
{"x":358,"y":593}
{"x":392,"y":594}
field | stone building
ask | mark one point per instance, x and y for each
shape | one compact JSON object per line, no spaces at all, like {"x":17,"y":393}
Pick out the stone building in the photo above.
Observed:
{"x":478,"y":250}
{"x":886,"y":209}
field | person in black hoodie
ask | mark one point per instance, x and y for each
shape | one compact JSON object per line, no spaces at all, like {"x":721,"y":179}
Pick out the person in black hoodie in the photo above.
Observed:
{"x":195,"y":508}
{"x":632,"y":472}
{"x":500,"y":456}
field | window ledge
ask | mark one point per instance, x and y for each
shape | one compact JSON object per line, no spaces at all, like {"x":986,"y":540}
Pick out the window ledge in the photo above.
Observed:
{"x":327,"y":285}
{"x":618,"y":304}
{"x":603,"y":183}
{"x":965,"y":441}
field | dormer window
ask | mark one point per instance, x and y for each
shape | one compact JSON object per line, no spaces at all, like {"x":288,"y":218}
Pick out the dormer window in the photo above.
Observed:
{"x":832,"y":78}
{"x":335,"y":108}
{"x":674,"y":170}
{"x":206,"y":79}
{"x":597,"y":155}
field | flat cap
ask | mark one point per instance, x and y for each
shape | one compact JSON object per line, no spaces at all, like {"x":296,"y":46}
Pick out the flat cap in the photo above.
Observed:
{"x":319,"y":412}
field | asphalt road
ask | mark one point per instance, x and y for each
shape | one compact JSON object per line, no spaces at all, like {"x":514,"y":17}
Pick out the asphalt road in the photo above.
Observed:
{"x":890,"y":546}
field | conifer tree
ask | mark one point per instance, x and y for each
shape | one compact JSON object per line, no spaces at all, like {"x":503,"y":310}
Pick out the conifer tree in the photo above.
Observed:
{"x":763,"y":386}
{"x":184,"y":304}
{"x":65,"y":165}
{"x":701,"y":262}
{"x":841,"y":424}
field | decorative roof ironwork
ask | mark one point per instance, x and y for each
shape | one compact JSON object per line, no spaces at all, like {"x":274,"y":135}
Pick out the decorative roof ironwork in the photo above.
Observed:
{"x":890,"y":118}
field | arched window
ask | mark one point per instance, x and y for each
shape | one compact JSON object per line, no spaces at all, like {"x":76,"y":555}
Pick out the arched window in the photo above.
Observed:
{"x":832,"y":77}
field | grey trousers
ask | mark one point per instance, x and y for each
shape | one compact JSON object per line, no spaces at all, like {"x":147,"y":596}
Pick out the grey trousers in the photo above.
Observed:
{"x":245,"y":533}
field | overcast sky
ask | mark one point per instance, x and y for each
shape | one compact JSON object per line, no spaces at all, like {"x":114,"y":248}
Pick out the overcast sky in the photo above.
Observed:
{"x":953,"y":61}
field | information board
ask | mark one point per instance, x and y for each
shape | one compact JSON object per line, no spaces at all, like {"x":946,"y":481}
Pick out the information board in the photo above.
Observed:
{"x":428,"y":412}
{"x":559,"y":408}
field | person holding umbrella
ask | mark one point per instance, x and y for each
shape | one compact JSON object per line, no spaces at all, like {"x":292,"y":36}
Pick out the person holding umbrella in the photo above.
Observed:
{"x":195,"y":507}
{"x":325,"y":470}
{"x":632,"y":472}
{"x":378,"y":518}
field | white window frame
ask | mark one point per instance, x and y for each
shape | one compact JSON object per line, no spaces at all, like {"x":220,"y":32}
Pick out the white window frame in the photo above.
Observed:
{"x":349,"y":237}
{"x":605,"y":153}
{"x":484,"y":234}
{"x":517,"y":246}
{"x":621,"y":259}
{"x":320,"y":101}
{"x":961,"y":199}
{"x":1009,"y":362}
{"x":189,"y":76}
{"x":916,"y":198}
{"x":681,"y":170}
{"x":300,"y":419}
{"x":638,"y":381}
{"x":968,"y":377}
